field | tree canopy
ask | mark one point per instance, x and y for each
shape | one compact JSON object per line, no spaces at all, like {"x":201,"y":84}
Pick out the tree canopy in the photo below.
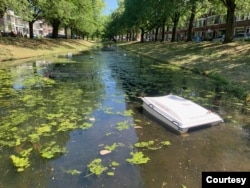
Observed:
{"x":80,"y":16}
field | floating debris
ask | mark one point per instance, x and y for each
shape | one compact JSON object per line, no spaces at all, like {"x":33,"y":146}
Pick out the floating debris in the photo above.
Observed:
{"x":92,"y":119}
{"x":105,"y":152}
{"x":138,"y":127}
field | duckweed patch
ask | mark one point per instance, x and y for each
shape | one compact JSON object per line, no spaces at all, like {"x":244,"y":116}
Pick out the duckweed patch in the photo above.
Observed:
{"x":144,"y":144}
{"x":41,"y":110}
{"x":113,"y":146}
{"x":127,"y":113}
{"x":152,"y":145}
{"x":138,"y":158}
{"x":123,"y":125}
{"x":22,"y":160}
{"x":52,"y":150}
{"x":114,"y":164}
{"x":110,"y":173}
{"x":73,"y":172}
{"x":96,"y":167}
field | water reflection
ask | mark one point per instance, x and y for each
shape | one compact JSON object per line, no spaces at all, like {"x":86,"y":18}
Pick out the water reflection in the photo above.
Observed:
{"x":77,"y":103}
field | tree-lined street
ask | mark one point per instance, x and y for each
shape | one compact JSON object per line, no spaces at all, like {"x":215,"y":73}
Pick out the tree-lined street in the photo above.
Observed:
{"x":142,"y":16}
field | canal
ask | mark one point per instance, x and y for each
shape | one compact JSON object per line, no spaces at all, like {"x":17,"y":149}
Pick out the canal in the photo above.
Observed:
{"x":77,"y":121}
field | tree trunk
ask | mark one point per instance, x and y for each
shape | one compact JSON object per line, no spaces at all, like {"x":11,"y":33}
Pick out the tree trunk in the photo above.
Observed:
{"x":130,"y":36}
{"x":230,"y":4}
{"x":173,"y":33}
{"x":167,"y":36}
{"x":55,"y":24}
{"x":175,"y":19}
{"x":163,"y":32}
{"x":133,"y":35}
{"x":142,"y":34}
{"x":156,"y":33}
{"x":66,"y":32}
{"x":31,"y":29}
{"x":190,"y":25}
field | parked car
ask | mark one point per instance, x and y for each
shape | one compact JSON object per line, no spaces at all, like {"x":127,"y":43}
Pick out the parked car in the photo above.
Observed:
{"x":241,"y":36}
{"x":219,"y":39}
{"x":49,"y":35}
{"x":197,"y":39}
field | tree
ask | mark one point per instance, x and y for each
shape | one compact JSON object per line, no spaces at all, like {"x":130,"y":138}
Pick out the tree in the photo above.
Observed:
{"x":140,"y":14}
{"x":98,"y":24}
{"x":35,"y":8}
{"x":177,"y":7}
{"x":231,"y":6}
{"x":58,"y":12}
{"x":164,"y":15}
{"x":195,"y":7}
{"x":115,"y":24}
{"x":18,"y":6}
{"x":3,"y":7}
{"x":80,"y":16}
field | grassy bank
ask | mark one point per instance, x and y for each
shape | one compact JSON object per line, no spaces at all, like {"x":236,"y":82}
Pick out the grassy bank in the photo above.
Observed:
{"x":22,"y":48}
{"x":228,"y":63}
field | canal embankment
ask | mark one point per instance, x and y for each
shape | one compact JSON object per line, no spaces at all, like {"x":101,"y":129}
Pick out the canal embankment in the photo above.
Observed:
{"x":23,"y":48}
{"x":227,"y":63}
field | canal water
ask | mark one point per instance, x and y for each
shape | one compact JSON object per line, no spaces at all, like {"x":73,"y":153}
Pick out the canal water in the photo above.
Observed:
{"x":58,"y":114}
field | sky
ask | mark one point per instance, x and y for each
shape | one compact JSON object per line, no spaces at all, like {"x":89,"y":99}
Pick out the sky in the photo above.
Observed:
{"x":110,"y":6}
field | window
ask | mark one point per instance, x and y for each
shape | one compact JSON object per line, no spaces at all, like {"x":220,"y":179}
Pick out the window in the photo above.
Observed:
{"x":210,"y":20}
{"x":200,"y":22}
{"x":240,"y":17}
{"x":223,"y":18}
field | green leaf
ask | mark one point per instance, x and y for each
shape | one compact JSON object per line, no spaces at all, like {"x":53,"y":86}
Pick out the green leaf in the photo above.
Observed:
{"x":144,"y":144}
{"x":122,"y":125}
{"x":43,"y":129}
{"x":111,"y":148}
{"x":138,"y":158}
{"x":73,"y":172}
{"x":114,"y":163}
{"x":127,"y":113}
{"x":96,"y":167}
{"x":166,"y":143}
{"x":20,"y":162}
{"x":110,"y":173}
{"x":52,"y":150}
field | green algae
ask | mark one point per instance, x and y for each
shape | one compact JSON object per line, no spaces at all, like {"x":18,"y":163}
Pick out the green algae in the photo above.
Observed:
{"x":137,"y":158}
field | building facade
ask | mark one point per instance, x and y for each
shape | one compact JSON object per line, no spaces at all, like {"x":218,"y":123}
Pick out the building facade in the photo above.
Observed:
{"x":207,"y":27}
{"x":214,"y":26}
{"x":13,"y":25}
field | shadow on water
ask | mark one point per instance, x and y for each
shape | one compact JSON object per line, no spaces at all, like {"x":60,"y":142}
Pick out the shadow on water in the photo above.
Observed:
{"x":56,"y":117}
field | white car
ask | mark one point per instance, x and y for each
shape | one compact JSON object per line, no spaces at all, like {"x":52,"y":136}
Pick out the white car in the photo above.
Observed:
{"x":241,"y":36}
{"x":219,"y":39}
